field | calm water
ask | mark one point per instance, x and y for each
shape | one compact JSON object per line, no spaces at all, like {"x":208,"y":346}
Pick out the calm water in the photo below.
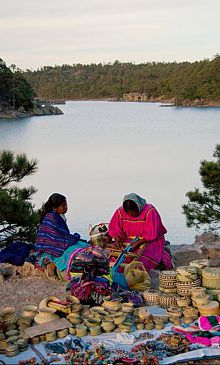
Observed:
{"x":98,"y":151}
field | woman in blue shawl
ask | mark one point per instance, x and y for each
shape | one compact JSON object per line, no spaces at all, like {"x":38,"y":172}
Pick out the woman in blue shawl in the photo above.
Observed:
{"x":55,"y":243}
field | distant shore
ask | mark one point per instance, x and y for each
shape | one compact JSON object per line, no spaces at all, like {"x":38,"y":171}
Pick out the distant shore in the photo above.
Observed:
{"x":169,"y":102}
{"x":50,"y":109}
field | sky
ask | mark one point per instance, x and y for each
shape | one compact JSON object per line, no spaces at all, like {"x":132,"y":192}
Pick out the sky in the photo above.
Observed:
{"x":37,"y":33}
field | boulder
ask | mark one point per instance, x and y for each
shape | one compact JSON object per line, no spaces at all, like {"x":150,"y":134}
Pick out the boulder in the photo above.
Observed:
{"x":206,"y":237}
{"x":186,"y":253}
{"x":212,"y":249}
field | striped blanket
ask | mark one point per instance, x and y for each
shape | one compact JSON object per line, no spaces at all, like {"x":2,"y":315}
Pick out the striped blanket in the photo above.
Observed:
{"x":53,"y":236}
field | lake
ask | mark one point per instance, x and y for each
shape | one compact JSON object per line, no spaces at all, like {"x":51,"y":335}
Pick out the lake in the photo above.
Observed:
{"x":98,"y":151}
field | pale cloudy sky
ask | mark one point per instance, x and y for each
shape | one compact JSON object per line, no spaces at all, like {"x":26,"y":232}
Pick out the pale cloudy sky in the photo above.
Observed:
{"x":49,"y":32}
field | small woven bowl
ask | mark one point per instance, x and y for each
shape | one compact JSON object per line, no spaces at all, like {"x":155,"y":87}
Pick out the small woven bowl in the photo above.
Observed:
{"x":95,"y":331}
{"x":151,"y":297}
{"x":183,"y":301}
{"x":167,"y":300}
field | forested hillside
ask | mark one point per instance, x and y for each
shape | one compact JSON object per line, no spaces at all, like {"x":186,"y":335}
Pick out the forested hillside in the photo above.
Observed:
{"x":185,"y":80}
{"x":17,"y":97}
{"x":15,"y":90}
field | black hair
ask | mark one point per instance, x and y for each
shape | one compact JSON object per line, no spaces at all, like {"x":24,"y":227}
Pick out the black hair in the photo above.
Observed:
{"x":54,"y":201}
{"x":130,"y":205}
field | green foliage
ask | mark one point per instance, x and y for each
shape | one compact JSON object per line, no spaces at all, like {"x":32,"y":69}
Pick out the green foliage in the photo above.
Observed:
{"x":183,"y":80}
{"x":14,"y":88}
{"x":18,"y":219}
{"x":204,"y":207}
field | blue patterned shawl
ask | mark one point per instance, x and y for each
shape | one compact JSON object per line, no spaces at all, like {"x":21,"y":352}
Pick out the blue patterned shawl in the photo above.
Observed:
{"x":53,"y":236}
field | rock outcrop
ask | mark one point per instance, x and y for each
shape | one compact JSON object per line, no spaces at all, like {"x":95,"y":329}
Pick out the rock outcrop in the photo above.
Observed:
{"x":206,"y":246}
{"x":39,"y":108}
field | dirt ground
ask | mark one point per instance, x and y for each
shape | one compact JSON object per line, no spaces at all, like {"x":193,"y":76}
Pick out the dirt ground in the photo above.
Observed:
{"x":17,"y":290}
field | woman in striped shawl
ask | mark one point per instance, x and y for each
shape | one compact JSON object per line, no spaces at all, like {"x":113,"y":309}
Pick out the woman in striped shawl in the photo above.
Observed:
{"x":55,"y":243}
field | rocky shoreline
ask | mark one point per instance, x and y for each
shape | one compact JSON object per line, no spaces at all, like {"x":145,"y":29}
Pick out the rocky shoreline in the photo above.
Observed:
{"x":39,"y":108}
{"x":142,"y":97}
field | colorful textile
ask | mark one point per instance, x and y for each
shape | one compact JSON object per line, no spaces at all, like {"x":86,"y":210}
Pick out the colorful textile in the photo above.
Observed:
{"x":207,"y":323}
{"x":147,"y":225}
{"x":215,"y":340}
{"x":87,"y":290}
{"x":53,"y":236}
{"x":61,"y":262}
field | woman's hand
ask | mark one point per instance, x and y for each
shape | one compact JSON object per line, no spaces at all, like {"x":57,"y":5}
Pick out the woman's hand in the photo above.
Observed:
{"x":118,"y":243}
{"x":135,"y":245}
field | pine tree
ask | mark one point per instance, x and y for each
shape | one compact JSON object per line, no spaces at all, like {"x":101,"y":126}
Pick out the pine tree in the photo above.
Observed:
{"x":203,"y":208}
{"x":18,"y":218}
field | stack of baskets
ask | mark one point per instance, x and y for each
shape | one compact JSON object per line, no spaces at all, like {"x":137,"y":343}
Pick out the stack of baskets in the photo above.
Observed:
{"x":187,"y":280}
{"x":167,"y":281}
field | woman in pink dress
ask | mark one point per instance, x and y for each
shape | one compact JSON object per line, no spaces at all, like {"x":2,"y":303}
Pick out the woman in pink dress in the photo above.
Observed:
{"x":136,"y":219}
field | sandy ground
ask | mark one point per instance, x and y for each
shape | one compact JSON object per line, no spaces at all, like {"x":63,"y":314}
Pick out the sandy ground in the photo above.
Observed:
{"x":17,"y":291}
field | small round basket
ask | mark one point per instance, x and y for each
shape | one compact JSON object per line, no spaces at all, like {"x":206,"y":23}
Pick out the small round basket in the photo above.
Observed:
{"x":168,"y":300}
{"x":210,"y":309}
{"x":98,"y":234}
{"x":151,"y":297}
{"x":183,"y":302}
{"x":199,"y":265}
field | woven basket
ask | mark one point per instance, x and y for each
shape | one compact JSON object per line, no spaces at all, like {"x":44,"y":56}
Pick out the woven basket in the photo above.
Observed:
{"x":190,"y":312}
{"x":183,"y":301}
{"x":168,"y":300}
{"x":168,"y":290}
{"x":167,"y":281}
{"x":151,"y":297}
{"x":199,"y":265}
{"x":201,"y":300}
{"x":29,"y":310}
{"x":185,"y":288}
{"x":210,"y":309}
{"x":45,"y":315}
{"x":167,"y":275}
{"x":186,"y":274}
{"x":174,"y":311}
{"x":111,"y":305}
{"x":198,"y":291}
{"x":211,"y":277}
{"x":98,"y":234}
